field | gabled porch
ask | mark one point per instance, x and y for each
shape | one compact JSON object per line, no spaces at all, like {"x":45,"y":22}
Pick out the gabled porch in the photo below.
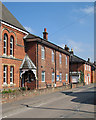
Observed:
{"x":28,"y":74}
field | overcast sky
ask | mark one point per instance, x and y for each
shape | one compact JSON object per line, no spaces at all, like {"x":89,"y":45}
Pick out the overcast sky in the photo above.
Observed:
{"x":68,"y":23}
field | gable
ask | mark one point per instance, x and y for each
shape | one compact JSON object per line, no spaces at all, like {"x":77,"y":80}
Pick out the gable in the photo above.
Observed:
{"x":7,"y":17}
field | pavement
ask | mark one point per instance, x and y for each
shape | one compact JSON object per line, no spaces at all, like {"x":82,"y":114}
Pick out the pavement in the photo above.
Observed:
{"x":72,"y":103}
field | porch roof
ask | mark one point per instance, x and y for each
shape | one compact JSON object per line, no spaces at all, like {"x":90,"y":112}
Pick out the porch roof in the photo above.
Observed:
{"x":27,"y":63}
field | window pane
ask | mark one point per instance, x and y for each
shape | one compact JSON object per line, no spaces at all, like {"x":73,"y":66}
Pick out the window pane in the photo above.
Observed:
{"x":11,"y":74}
{"x":43,"y":76}
{"x":5,"y":43}
{"x":4,"y":80}
{"x":60,"y":58}
{"x":52,"y":56}
{"x":5,"y":74}
{"x":53,"y":77}
{"x":60,"y":76}
{"x":10,"y":45}
{"x":43,"y":52}
{"x":66,"y":60}
{"x":10,"y":52}
{"x":66,"y":77}
{"x":11,"y":80}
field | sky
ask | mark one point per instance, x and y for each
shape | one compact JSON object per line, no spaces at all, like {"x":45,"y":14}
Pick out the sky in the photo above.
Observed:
{"x":70,"y":23}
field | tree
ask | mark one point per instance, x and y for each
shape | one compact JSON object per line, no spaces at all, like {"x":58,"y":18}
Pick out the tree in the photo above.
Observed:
{"x":82,"y":77}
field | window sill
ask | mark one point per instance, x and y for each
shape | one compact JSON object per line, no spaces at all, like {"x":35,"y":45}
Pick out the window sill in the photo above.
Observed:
{"x":5,"y":84}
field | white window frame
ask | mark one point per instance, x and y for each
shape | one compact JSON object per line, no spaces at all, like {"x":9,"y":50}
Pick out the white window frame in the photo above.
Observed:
{"x":60,"y":76}
{"x":89,"y":68}
{"x":43,"y":73}
{"x":52,"y":56}
{"x":53,"y":76}
{"x":66,"y":77}
{"x":11,"y":77}
{"x":11,"y":43}
{"x":66,"y":60}
{"x":60,"y":58}
{"x":5,"y":41}
{"x":89,"y":78}
{"x":5,"y":76}
{"x":43,"y":52}
{"x":85,"y":66}
{"x":85,"y":78}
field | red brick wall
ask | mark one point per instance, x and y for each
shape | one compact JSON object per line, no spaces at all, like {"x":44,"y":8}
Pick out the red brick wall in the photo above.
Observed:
{"x":93,"y":76}
{"x":18,"y":55}
{"x":86,"y":72}
{"x":74,"y":67}
{"x":31,"y":51}
{"x":48,"y":66}
{"x":62,"y":68}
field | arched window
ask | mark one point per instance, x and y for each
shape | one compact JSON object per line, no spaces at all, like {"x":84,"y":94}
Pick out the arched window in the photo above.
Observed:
{"x":5,"y":43}
{"x":11,"y":45}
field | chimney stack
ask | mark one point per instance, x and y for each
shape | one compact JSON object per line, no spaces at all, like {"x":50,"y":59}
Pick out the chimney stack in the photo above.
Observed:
{"x":88,"y":59}
{"x":66,"y":48}
{"x":45,"y":34}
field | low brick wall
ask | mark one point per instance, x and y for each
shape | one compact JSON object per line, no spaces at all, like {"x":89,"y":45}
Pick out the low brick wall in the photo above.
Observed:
{"x":19,"y":94}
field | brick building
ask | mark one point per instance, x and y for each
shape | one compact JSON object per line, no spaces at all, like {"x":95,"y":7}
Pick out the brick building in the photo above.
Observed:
{"x":79,"y":69}
{"x":12,"y":50}
{"x":51,"y":61}
{"x":28,"y":60}
{"x":93,"y":72}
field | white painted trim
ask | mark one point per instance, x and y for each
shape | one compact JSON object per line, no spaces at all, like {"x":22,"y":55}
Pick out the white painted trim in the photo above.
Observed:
{"x":14,"y":27}
{"x":75,"y":72}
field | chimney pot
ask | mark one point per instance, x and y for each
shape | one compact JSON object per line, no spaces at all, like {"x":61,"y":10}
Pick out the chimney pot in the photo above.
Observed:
{"x":88,"y":59}
{"x":66,"y":48}
{"x":45,"y":34}
{"x":45,"y":29}
{"x":72,"y":51}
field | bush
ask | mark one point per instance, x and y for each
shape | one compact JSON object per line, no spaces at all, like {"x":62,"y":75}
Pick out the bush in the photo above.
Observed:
{"x":14,"y":91}
{"x":82,"y":77}
{"x":23,"y":88}
{"x":9,"y":91}
{"x":3,"y":92}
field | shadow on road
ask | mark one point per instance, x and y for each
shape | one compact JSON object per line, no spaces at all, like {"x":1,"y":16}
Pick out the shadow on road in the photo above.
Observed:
{"x":83,"y":97}
{"x":74,"y":110}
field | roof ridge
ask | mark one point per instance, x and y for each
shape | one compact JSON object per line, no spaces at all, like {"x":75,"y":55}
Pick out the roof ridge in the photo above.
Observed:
{"x":9,"y":18}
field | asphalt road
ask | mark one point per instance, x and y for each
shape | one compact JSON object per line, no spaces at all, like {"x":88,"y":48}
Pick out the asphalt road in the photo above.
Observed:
{"x":73,"y":103}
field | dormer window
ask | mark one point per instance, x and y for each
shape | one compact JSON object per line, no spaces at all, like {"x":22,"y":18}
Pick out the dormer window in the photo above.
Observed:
{"x":5,"y":44}
{"x":11,"y":45}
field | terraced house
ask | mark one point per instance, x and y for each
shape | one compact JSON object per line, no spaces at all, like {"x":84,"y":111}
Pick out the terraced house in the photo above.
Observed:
{"x":28,"y":60}
{"x":80,"y":70}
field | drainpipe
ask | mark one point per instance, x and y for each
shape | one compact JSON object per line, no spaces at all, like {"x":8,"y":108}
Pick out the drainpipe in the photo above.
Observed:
{"x":55,"y":66}
{"x":37,"y":68}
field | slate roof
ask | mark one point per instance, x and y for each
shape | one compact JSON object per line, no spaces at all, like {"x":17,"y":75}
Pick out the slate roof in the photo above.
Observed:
{"x":33,"y":38}
{"x":6,"y":16}
{"x":76,"y":59}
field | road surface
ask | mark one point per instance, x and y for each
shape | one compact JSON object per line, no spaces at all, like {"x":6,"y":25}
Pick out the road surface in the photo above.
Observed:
{"x":72,"y":103}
